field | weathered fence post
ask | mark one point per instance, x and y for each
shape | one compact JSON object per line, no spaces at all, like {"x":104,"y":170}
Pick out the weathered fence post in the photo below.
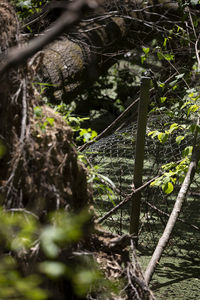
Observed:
{"x":139,"y":154}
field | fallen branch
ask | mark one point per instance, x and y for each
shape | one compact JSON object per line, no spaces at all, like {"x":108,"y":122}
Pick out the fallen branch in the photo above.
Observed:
{"x":167,"y":215}
{"x":127,"y":199}
{"x":173,"y":217}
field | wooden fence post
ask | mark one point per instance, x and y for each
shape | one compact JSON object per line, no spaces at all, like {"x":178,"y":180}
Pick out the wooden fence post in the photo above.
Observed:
{"x":139,"y":155}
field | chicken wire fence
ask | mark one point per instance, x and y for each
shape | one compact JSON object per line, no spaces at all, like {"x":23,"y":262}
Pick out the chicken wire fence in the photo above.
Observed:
{"x":113,"y":159}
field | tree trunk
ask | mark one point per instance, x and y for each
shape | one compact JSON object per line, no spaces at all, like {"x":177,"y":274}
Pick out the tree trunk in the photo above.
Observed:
{"x":40,"y":171}
{"x":75,"y":61}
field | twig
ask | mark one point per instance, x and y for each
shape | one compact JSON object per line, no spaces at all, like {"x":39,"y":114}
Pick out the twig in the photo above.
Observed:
{"x":21,"y":139}
{"x":111,"y":126}
{"x":24,"y":110}
{"x":167,"y":215}
{"x":197,"y":39}
{"x":22,"y":210}
{"x":197,"y":52}
{"x":127,"y":199}
{"x":45,"y":11}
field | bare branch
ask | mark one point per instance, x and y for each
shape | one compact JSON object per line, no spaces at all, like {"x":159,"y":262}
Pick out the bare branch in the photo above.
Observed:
{"x":127,"y":199}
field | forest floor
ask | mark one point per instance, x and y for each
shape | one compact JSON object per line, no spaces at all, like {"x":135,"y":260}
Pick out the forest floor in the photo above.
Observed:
{"x":176,"y":278}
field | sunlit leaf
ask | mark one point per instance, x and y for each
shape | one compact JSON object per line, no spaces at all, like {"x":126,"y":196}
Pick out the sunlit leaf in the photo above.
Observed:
{"x":168,"y":188}
{"x":187,"y":151}
{"x":163,"y":99}
{"x":49,"y":236}
{"x":192,"y":108}
{"x":179,"y":139}
{"x":146,"y":50}
{"x":52,"y":269}
{"x":180,"y":76}
{"x":163,"y":137}
{"x":50,"y":121}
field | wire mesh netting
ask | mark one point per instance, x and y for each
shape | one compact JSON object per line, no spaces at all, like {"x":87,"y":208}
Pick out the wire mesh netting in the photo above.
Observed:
{"x":114,"y":156}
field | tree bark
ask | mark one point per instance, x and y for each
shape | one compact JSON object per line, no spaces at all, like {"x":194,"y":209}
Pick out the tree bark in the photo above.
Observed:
{"x":76,"y":60}
{"x":40,"y":172}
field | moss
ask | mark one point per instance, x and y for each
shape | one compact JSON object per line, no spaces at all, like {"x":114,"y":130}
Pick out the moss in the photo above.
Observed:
{"x":176,"y":277}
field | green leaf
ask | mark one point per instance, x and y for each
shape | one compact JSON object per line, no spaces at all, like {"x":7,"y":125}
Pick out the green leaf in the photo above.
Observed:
{"x":165,"y":42}
{"x":93,"y":135}
{"x":146,"y":50}
{"x":194,"y":127}
{"x":50,"y":235}
{"x":52,"y":269}
{"x":50,"y":121}
{"x":168,"y":56}
{"x":37,"y":111}
{"x":192,"y":108}
{"x":163,"y":137}
{"x":180,"y":76}
{"x":153,"y":133}
{"x":107,"y":180}
{"x":162,"y":99}
{"x":143,"y":58}
{"x":172,"y":83}
{"x":179,"y":139}
{"x":161,"y":84}
{"x":187,"y":151}
{"x":160,"y":55}
{"x":157,"y":182}
{"x":167,"y":187}
{"x":173,"y":127}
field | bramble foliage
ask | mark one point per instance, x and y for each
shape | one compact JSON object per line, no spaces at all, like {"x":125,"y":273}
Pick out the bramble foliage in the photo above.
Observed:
{"x":21,"y":233}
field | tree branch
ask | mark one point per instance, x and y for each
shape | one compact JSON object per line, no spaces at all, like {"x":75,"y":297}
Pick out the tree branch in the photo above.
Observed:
{"x":127,"y":199}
